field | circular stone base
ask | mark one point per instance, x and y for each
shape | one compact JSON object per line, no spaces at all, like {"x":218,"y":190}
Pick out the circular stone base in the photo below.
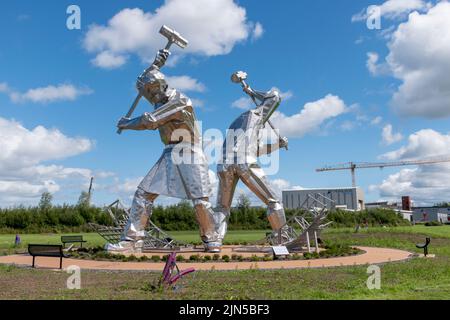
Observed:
{"x":370,"y":256}
{"x":244,"y":251}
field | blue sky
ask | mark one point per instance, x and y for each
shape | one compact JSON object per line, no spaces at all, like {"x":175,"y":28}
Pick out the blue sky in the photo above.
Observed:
{"x":307,"y":49}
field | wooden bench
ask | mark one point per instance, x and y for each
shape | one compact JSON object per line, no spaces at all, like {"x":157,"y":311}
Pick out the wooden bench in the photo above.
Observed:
{"x":46,"y":250}
{"x":72,"y":239}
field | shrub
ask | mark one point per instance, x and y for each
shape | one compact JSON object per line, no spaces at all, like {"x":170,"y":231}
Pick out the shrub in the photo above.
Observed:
{"x":268,"y":257}
{"x":133,"y":258}
{"x":296,"y":256}
{"x":207,"y":258}
{"x":194,"y":257}
{"x":155,"y":258}
{"x":216,"y":257}
{"x":226,"y":258}
{"x":310,"y":255}
{"x":433,"y":224}
{"x":180,"y":258}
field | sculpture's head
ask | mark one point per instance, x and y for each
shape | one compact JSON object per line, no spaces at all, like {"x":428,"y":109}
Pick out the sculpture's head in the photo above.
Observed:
{"x":153,"y":86}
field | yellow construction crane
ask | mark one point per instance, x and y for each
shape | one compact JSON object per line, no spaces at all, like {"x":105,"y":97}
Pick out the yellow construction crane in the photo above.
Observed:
{"x":364,"y":165}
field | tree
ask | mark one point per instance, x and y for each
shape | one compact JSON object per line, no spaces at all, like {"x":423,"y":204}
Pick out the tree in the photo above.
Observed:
{"x":442,"y":205}
{"x":243,"y":201}
{"x":185,"y":203}
{"x":85,"y":199}
{"x":46,"y":201}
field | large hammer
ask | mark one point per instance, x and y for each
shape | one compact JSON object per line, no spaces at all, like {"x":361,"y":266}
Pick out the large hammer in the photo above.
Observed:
{"x":173,"y":37}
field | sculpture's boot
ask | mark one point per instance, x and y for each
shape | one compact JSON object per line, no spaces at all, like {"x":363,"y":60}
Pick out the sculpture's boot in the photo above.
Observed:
{"x":208,"y":227}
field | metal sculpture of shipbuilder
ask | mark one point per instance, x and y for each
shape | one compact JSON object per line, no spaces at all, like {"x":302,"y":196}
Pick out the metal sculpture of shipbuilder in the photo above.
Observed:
{"x":241,"y":150}
{"x":174,"y":176}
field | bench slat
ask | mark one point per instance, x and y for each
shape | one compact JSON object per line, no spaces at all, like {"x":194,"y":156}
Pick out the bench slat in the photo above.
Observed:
{"x":45,"y":250}
{"x":72,"y":238}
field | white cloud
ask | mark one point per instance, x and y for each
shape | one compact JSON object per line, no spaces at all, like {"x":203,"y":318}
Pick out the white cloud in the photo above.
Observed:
{"x":51,"y":93}
{"x":426,"y":184}
{"x":243,"y":103}
{"x":348,"y":125}
{"x":23,"y":170}
{"x":128,"y":187}
{"x":258,"y":31}
{"x":198,"y":103}
{"x":246,"y":103}
{"x":374,"y":67}
{"x":211,"y":27}
{"x":22,"y":147}
{"x":21,"y":190}
{"x":422,"y":144}
{"x":376,"y":120}
{"x":285,"y":95}
{"x":372,"y":59}
{"x":394,"y":9}
{"x":4,"y":88}
{"x":109,"y":60}
{"x":281,"y":184}
{"x":311,"y":117}
{"x":419,"y":56}
{"x":388,"y":136}
{"x":185,"y":83}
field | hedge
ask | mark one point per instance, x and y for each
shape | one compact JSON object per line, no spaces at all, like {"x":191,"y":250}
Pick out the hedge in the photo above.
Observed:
{"x":179,"y":217}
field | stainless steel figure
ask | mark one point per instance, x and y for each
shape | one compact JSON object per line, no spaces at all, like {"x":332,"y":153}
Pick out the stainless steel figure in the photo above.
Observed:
{"x":181,"y":171}
{"x":241,"y":150}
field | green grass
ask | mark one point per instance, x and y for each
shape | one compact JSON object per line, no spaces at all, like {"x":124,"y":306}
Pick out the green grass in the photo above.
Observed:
{"x":94,"y":240}
{"x":438,"y":231}
{"x":413,"y":279}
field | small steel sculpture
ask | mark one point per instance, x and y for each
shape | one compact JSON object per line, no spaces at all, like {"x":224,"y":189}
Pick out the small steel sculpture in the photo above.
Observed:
{"x":299,"y":229}
{"x":424,"y":246}
{"x":155,"y":240}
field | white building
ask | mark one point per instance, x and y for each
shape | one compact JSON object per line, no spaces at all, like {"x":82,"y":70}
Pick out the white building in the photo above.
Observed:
{"x":426,"y":214}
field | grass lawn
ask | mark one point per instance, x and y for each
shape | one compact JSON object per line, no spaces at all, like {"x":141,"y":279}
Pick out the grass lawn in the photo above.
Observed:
{"x":93,"y":239}
{"x":413,"y":279}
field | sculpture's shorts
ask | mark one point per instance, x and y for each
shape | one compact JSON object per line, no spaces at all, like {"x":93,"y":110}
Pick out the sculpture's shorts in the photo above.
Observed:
{"x":181,"y":172}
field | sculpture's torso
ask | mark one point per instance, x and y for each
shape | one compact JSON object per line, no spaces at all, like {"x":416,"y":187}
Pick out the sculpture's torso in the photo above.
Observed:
{"x":243,"y":136}
{"x":182,"y":126}
{"x":241,"y":143}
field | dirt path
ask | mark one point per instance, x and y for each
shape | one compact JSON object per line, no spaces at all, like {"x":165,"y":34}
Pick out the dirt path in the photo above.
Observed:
{"x":371,"y":256}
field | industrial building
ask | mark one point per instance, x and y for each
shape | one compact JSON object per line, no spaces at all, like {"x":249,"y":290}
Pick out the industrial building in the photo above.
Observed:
{"x":404,"y":208}
{"x":427,"y":214}
{"x":344,"y":198}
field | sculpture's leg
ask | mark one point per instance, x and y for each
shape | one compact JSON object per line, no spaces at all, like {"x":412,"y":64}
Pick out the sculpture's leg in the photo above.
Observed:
{"x":140,"y":213}
{"x":255,"y":179}
{"x":207,"y":223}
{"x":228,"y":180}
{"x":134,"y":232}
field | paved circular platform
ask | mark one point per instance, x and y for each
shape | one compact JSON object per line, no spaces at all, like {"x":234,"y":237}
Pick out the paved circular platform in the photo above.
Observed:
{"x":371,"y":255}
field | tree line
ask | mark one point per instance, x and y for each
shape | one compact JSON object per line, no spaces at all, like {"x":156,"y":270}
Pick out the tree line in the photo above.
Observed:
{"x":47,"y":217}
